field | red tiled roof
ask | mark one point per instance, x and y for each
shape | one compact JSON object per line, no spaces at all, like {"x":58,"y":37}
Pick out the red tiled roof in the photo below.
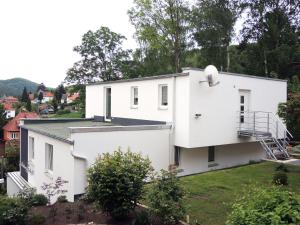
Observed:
{"x":7,"y":106}
{"x":13,"y":125}
{"x":48,"y":94}
{"x":74,"y":96}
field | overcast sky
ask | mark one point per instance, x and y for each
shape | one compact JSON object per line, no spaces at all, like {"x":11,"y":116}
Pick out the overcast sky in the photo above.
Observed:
{"x":37,"y":36}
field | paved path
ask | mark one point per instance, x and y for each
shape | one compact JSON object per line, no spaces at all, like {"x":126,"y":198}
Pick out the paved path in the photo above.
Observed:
{"x":290,"y":161}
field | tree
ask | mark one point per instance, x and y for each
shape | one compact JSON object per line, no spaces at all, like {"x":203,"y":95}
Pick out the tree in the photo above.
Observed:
{"x":3,"y":119}
{"x":274,"y":26}
{"x":213,"y":22}
{"x":24,"y":96}
{"x":116,"y":181}
{"x":28,"y":105}
{"x":161,"y":28}
{"x":102,"y":57}
{"x":59,"y":92}
{"x":261,"y":205}
{"x":41,"y":97}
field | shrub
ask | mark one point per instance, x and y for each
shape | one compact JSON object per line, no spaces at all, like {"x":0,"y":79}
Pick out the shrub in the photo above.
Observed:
{"x":27,"y":195}
{"x":116,"y":181}
{"x":64,"y":111}
{"x":142,"y":218}
{"x":39,"y":200}
{"x":280,"y":178}
{"x":265,"y":206}
{"x":282,"y":167}
{"x":62,"y":199}
{"x":165,"y":197}
{"x":37,"y":219}
{"x":13,"y":211}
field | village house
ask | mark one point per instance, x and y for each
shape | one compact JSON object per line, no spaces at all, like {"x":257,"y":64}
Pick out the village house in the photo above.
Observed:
{"x":197,"y":120}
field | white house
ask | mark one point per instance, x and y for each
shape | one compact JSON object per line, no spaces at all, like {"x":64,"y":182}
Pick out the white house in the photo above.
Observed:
{"x":197,"y":120}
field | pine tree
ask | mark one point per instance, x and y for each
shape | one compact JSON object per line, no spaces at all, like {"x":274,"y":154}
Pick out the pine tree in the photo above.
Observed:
{"x":24,"y":97}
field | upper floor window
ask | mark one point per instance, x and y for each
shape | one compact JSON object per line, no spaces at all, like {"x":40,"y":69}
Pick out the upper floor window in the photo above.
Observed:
{"x":134,"y":97}
{"x":163,"y":96}
{"x":31,"y":148}
{"x":13,"y":135}
{"x":49,"y":157}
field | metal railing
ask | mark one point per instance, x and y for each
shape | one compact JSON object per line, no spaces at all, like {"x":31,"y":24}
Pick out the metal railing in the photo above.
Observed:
{"x":260,"y":123}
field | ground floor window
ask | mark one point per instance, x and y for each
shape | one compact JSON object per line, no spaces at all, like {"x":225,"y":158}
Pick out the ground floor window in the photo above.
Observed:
{"x":49,"y":157}
{"x":211,"y":153}
{"x":177,"y":155}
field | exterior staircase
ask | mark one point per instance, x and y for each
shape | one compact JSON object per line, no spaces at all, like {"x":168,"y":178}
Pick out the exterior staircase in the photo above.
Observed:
{"x":268,"y":129}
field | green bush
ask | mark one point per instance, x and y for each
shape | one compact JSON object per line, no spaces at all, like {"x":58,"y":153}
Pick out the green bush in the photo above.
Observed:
{"x":280,"y":178}
{"x":165,"y":198}
{"x":13,"y":211}
{"x":62,"y":199}
{"x":267,"y":206}
{"x":37,"y":219}
{"x":63,"y":111}
{"x":282,"y":167}
{"x":142,"y":218}
{"x":116,"y":181}
{"x":39,"y":200}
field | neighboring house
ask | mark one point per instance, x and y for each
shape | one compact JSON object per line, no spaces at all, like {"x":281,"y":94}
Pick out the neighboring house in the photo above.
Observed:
{"x":11,"y":131}
{"x":9,"y":110}
{"x":9,"y":99}
{"x":48,"y":97}
{"x":195,"y":120}
{"x":72,"y":98}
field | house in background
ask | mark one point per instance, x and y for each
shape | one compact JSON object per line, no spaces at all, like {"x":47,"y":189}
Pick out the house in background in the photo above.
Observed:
{"x":197,"y":121}
{"x":9,"y":99}
{"x":72,"y":98}
{"x":9,"y":110}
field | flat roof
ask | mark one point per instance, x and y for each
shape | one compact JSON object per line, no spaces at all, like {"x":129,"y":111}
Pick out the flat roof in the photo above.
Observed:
{"x":180,"y":75}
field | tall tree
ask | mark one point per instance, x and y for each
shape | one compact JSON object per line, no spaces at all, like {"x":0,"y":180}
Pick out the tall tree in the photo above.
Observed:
{"x":102,"y":57}
{"x":213,"y":22}
{"x":41,"y":97}
{"x":274,"y":26}
{"x":162,"y":28}
{"x":24,"y":96}
{"x":28,"y":105}
{"x":58,"y":93}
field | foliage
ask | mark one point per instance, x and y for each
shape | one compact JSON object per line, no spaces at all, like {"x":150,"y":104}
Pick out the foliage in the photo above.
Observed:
{"x":290,"y":113}
{"x":41,"y":97}
{"x":37,"y":219}
{"x":116,"y":181}
{"x":280,"y":178}
{"x":282,"y":167}
{"x":59,"y":92}
{"x":12,"y":211}
{"x":259,"y":205}
{"x":165,"y":198}
{"x":101,"y":57}
{"x":54,"y":189}
{"x":14,"y":87}
{"x":63,"y":111}
{"x":62,"y":199}
{"x":142,"y":218}
{"x":24,"y":96}
{"x":162,"y":28}
{"x":39,"y":200}
{"x":3,"y":119}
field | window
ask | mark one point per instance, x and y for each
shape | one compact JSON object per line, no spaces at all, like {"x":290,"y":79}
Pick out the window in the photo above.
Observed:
{"x":163,"y":96}
{"x":49,"y":157}
{"x":13,"y":135}
{"x":31,"y":148}
{"x":177,"y":155}
{"x":134,"y":97}
{"x":211,"y":154}
{"x":108,"y":103}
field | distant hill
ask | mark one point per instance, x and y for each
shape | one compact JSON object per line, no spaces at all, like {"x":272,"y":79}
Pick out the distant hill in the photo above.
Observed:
{"x":15,"y":86}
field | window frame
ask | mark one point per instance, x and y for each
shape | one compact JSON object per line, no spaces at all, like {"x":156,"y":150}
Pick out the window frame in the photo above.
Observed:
{"x":13,"y":135}
{"x":49,"y":165}
{"x":211,"y":157}
{"x":132,"y":97}
{"x":31,"y":148}
{"x":177,"y":156}
{"x":160,"y":96}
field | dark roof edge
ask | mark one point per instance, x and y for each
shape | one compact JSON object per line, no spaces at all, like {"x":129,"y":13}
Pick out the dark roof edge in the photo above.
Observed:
{"x":54,"y":120}
{"x":239,"y":74}
{"x":139,"y":79}
{"x":48,"y":135}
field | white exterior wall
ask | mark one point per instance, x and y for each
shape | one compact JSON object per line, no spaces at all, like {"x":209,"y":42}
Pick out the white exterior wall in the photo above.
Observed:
{"x":148,"y":108}
{"x":152,"y":143}
{"x":12,"y":188}
{"x":195,"y":160}
{"x":219,"y":106}
{"x":10,"y":114}
{"x":63,"y":164}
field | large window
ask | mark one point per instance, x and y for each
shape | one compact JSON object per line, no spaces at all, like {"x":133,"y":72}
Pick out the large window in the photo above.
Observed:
{"x":134,"y":97}
{"x":177,"y":155}
{"x":163,"y":96}
{"x":49,"y":157}
{"x":211,"y":154}
{"x":31,"y":148}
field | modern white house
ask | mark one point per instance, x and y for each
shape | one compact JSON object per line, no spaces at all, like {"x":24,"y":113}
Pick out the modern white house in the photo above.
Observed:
{"x":197,"y":120}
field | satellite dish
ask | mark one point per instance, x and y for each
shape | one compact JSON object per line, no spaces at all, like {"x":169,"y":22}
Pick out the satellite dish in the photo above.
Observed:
{"x":211,"y":74}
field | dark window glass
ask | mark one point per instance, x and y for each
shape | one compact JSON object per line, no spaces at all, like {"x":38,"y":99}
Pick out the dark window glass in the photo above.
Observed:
{"x":177,"y":155}
{"x":211,"y":153}
{"x":242,"y":99}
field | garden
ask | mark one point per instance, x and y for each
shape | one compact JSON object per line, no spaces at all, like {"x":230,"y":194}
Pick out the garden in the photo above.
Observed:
{"x":260,"y":193}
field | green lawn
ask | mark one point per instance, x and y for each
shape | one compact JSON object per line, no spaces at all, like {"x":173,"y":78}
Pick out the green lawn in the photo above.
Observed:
{"x":210,"y":194}
{"x":68,"y":115}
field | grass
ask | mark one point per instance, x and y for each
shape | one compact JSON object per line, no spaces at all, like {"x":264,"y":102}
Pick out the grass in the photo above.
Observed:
{"x":68,"y":115}
{"x":211,"y":194}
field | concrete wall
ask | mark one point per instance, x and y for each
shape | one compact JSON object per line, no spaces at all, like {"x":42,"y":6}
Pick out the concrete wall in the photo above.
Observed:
{"x":195,"y":160}
{"x":12,"y":188}
{"x":147,"y":109}
{"x":152,"y":143}
{"x":63,"y":164}
{"x":219,"y":105}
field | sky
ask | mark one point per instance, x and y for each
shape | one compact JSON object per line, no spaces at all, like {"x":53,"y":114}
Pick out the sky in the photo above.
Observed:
{"x":37,"y":36}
